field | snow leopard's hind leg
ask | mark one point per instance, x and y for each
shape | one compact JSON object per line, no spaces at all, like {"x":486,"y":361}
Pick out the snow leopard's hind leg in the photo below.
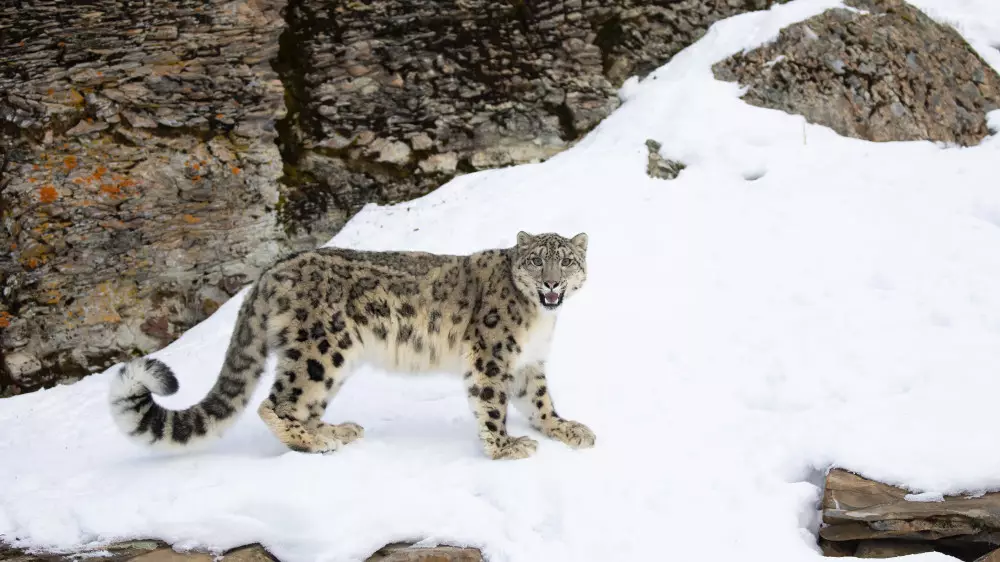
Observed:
{"x":313,"y":363}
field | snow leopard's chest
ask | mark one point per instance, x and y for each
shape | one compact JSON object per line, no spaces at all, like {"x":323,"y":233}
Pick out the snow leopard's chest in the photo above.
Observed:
{"x":536,"y":340}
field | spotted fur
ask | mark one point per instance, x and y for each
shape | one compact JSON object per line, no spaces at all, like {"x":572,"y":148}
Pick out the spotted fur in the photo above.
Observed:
{"x":488,"y":316}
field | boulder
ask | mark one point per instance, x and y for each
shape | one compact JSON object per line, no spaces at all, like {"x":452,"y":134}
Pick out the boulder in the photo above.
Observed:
{"x":883,"y":71}
{"x":657,"y":166}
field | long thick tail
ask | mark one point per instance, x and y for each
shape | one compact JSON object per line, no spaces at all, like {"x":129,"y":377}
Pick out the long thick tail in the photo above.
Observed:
{"x":150,"y":424}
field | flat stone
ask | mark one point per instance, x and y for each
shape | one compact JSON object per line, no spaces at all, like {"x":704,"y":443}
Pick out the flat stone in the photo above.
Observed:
{"x":421,"y":142}
{"x":834,"y":549}
{"x":858,"y":508}
{"x":402,"y":552}
{"x":85,"y":127}
{"x":120,"y":552}
{"x":22,"y":364}
{"x":445,"y":163}
{"x":170,"y":555}
{"x":253,"y":553}
{"x":890,"y":549}
{"x":137,"y":546}
{"x":393,"y":152}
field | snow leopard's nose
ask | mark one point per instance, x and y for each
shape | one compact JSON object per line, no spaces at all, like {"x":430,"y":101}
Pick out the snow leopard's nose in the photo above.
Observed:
{"x":551,"y":285}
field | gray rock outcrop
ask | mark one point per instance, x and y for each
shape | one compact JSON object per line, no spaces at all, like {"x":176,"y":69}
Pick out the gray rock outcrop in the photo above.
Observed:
{"x":658,"y":167}
{"x":885,"y":73}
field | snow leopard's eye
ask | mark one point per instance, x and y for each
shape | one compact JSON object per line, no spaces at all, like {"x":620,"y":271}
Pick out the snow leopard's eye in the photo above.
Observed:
{"x":567,"y":262}
{"x":536,"y":261}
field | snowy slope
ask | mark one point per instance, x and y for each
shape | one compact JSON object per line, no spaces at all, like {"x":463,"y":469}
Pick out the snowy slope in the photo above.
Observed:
{"x":735,"y":339}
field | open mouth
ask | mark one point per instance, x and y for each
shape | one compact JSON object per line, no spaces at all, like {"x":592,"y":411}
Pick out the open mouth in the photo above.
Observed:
{"x":550,"y":299}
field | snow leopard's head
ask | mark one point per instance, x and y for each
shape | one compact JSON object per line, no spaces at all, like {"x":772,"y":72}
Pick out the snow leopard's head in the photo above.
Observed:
{"x":548,"y":268}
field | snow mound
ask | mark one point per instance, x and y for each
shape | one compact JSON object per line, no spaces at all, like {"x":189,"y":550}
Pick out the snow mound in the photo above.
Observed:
{"x":841,"y":309}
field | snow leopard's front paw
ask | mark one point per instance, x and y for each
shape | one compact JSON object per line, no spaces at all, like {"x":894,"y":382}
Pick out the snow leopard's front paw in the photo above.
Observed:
{"x":572,"y":433}
{"x":347,"y":432}
{"x":334,"y":437}
{"x":511,"y":448}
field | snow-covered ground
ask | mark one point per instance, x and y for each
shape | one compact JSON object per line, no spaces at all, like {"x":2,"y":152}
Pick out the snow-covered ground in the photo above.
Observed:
{"x":736,"y":339}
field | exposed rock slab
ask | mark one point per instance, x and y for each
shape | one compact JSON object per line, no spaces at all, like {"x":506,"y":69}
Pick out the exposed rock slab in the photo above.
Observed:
{"x":404,"y":552}
{"x":861,"y":516}
{"x":890,"y":548}
{"x":885,"y":73}
{"x":120,"y":552}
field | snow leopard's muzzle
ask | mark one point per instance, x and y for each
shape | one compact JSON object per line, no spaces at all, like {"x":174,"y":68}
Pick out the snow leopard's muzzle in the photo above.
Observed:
{"x":551,"y":295}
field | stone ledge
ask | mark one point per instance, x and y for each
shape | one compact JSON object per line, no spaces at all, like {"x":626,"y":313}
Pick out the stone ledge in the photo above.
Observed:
{"x":868,"y":519}
{"x":157,"y":551}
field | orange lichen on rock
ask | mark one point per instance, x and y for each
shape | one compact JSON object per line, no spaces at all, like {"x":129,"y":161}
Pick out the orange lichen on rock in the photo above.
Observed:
{"x":48,"y":194}
{"x":191,"y":219}
{"x":5,"y":318}
{"x":111,"y":189}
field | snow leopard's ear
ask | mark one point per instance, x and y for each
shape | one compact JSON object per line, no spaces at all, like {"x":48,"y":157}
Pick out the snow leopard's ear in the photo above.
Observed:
{"x":580,"y":241}
{"x":523,"y":238}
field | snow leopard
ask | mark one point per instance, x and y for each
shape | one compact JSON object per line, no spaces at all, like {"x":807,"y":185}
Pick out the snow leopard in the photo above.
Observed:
{"x":488,"y":316}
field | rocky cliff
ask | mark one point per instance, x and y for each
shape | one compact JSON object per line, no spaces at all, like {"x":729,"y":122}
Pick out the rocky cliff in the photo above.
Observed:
{"x":155,"y":156}
{"x":140,"y":174}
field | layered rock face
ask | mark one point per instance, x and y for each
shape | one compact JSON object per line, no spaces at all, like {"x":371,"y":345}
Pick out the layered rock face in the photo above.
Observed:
{"x":156,"y":156}
{"x":140,"y":174}
{"x":390,"y":99}
{"x":882,"y":72}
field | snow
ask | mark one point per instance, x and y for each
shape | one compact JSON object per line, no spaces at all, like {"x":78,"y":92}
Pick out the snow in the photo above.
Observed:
{"x":924,"y":497}
{"x":735,"y":340}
